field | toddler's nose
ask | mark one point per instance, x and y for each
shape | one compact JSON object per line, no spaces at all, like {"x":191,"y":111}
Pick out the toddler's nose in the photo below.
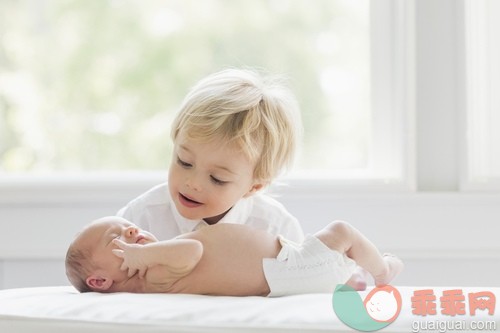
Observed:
{"x":193,"y":183}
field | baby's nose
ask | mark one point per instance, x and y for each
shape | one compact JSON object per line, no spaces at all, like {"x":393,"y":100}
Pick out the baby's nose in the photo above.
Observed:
{"x":131,"y":231}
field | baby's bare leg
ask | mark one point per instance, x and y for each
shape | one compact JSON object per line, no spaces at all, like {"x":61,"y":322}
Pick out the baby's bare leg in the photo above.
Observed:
{"x":359,"y":279}
{"x":344,"y":238}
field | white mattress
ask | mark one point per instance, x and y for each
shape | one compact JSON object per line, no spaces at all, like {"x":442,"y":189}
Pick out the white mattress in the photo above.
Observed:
{"x":62,"y":309}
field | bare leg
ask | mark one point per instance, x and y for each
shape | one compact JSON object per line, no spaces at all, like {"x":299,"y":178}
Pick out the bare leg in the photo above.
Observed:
{"x":344,"y":238}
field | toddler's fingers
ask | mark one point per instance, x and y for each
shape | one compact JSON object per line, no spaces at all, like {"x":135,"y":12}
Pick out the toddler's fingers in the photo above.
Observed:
{"x":118,"y":253}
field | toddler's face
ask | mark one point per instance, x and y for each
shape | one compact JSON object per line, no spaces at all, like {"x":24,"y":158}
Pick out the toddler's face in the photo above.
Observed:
{"x":99,"y":236}
{"x":206,"y":179}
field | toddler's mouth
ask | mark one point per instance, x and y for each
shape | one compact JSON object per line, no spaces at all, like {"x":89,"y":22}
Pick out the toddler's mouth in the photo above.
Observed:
{"x":186,"y":201}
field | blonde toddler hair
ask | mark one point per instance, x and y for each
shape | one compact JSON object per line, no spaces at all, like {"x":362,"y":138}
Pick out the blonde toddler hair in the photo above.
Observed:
{"x":256,"y":113}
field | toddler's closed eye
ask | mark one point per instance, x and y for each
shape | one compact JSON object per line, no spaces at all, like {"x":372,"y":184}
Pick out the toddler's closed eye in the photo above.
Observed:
{"x":183,"y":164}
{"x":217,"y":181}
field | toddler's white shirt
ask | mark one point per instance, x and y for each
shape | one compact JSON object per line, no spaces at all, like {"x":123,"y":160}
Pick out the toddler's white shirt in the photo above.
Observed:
{"x":155,"y":211}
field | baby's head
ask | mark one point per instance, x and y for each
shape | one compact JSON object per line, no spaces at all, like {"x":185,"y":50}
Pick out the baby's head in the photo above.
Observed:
{"x":255,"y":115}
{"x":90,"y":262}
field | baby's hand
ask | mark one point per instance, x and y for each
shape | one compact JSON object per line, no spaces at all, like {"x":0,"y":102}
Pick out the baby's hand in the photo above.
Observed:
{"x":133,"y":258}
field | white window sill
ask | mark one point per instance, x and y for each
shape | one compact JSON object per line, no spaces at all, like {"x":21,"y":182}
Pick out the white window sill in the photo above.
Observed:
{"x":120,"y":186}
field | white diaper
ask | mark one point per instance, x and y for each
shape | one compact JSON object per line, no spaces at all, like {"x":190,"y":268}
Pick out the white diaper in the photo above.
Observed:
{"x":310,"y":267}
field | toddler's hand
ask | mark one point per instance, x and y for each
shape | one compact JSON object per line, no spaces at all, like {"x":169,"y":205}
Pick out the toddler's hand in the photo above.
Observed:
{"x":133,"y":258}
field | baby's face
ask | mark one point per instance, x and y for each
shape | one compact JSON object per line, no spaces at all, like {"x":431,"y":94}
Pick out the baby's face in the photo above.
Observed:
{"x":99,"y":238}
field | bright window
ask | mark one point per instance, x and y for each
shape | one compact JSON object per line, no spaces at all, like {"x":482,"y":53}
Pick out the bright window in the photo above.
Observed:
{"x":93,"y":85}
{"x":482,"y":26}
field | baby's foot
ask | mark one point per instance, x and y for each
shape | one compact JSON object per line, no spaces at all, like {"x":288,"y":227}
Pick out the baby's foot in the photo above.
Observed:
{"x":394,"y":266}
{"x":358,"y":279}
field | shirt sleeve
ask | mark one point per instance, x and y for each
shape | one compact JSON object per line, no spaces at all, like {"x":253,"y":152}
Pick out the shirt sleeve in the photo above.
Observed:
{"x":128,"y":212}
{"x":290,"y":228}
{"x":146,"y":208}
{"x":124,"y":212}
{"x":271,"y":215}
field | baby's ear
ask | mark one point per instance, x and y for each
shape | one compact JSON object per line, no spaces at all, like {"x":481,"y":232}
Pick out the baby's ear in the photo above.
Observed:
{"x":99,"y":283}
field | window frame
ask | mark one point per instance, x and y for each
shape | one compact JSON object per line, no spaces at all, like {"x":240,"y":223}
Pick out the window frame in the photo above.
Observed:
{"x":477,"y":62}
{"x":393,"y":101}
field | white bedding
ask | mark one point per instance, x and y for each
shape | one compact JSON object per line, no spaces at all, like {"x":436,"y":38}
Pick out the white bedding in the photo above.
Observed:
{"x":62,"y":309}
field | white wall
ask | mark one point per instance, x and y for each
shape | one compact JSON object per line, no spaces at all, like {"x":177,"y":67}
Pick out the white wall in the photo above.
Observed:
{"x":445,"y":237}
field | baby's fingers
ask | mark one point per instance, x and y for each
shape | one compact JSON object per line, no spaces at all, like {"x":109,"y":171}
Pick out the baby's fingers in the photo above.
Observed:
{"x":118,"y":253}
{"x":124,"y":266}
{"x":142,"y":272}
{"x":131,"y":272}
{"x":121,"y":244}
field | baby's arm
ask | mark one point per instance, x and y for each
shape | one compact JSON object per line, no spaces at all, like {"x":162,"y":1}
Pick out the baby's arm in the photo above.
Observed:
{"x":176,"y":254}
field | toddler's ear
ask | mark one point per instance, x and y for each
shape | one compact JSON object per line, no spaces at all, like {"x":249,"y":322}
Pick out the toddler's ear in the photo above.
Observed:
{"x":99,"y":283}
{"x":254,"y":189}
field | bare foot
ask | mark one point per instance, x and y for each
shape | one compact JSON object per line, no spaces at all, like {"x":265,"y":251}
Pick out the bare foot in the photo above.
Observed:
{"x":358,"y":279}
{"x":394,"y":267}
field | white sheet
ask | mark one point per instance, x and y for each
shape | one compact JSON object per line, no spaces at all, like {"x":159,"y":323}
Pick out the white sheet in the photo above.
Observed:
{"x":62,"y":309}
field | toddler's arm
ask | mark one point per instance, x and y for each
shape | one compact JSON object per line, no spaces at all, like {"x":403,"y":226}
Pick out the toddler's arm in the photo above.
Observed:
{"x":176,"y":254}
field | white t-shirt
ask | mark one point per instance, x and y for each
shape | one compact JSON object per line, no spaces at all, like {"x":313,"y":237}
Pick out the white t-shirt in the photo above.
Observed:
{"x":155,"y":211}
